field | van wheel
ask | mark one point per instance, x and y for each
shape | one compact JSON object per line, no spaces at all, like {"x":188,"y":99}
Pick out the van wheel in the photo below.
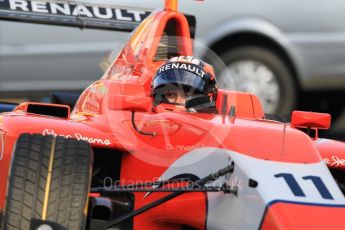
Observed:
{"x":49,"y":180}
{"x":262,"y":72}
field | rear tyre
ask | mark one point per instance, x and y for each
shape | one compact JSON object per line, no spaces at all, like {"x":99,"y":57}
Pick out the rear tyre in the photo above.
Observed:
{"x":49,"y":180}
{"x":261,"y":71}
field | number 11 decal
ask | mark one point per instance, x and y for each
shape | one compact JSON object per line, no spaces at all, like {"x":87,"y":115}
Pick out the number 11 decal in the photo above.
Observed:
{"x":297,"y":190}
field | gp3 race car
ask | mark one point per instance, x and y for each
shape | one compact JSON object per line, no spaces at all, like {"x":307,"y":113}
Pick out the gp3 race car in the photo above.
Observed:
{"x":118,"y":162}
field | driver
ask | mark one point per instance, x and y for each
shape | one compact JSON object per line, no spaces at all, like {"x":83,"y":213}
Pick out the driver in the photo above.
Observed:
{"x":185,"y":83}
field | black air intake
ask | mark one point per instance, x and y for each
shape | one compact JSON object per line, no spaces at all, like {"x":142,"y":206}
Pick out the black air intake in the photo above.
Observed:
{"x":49,"y":110}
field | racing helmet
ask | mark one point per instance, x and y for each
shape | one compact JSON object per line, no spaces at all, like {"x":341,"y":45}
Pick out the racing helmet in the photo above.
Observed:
{"x":186,"y":75}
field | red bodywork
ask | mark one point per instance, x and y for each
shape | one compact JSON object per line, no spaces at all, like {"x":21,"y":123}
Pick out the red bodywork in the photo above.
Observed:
{"x":106,"y":123}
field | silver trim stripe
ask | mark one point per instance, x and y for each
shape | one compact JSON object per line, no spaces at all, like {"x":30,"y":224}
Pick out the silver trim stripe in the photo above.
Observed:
{"x":2,"y":145}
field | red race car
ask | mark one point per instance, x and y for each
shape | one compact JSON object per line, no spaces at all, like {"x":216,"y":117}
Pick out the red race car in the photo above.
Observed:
{"x":136,"y":155}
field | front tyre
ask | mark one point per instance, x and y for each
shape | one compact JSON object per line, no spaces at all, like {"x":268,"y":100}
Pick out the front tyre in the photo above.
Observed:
{"x":49,"y":180}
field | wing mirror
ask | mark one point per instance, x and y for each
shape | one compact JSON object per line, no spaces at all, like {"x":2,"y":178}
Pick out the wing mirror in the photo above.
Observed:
{"x":310,"y":120}
{"x":130,"y":103}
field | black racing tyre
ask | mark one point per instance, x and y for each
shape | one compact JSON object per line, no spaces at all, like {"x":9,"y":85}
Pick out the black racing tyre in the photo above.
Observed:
{"x":282,"y":74}
{"x":49,"y":180}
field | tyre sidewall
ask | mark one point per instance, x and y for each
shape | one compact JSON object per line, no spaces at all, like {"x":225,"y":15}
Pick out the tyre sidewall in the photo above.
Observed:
{"x":284,"y":77}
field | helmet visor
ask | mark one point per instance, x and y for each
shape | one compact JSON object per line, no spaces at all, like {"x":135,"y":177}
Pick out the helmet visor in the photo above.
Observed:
{"x":179,"y":78}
